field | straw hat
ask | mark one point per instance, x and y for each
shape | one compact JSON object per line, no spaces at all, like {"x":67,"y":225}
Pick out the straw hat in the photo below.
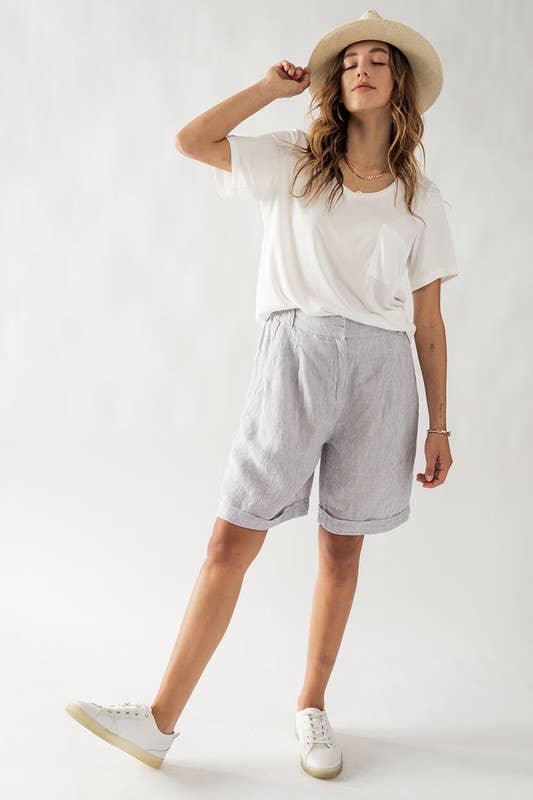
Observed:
{"x":422,"y":56}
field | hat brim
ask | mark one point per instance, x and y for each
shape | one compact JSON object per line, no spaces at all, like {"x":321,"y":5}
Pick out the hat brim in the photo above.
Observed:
{"x":422,"y":56}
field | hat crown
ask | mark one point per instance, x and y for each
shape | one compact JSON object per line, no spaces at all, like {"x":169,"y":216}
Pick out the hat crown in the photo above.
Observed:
{"x":370,"y":14}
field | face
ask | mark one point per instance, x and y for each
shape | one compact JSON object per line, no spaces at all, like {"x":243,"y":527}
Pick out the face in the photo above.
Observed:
{"x":366,"y":62}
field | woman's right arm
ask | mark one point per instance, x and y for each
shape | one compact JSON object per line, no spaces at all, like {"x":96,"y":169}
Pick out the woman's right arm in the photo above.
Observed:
{"x":204,"y":138}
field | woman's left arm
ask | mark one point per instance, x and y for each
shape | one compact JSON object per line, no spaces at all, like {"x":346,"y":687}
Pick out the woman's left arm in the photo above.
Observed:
{"x":430,"y":341}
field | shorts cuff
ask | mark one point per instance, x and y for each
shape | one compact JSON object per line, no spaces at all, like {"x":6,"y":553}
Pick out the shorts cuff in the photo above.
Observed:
{"x":246,"y":519}
{"x":362,"y":526}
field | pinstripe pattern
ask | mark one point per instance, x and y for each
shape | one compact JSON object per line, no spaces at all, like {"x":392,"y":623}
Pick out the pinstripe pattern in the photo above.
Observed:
{"x":333,"y":391}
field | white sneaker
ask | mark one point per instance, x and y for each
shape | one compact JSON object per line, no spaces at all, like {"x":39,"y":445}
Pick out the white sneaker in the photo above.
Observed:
{"x":129,"y":726}
{"x":319,"y":754}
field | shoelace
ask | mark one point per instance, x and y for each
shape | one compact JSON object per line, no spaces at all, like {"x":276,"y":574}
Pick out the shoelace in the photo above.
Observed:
{"x":137,"y":709}
{"x":317,"y":730}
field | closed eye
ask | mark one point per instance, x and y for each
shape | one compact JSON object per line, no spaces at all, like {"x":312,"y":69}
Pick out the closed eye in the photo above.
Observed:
{"x":374,"y":64}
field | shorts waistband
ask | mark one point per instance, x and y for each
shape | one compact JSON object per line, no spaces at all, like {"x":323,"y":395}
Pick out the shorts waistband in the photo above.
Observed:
{"x":333,"y":325}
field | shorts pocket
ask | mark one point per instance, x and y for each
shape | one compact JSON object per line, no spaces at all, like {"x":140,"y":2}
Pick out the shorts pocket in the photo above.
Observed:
{"x":262,"y":358}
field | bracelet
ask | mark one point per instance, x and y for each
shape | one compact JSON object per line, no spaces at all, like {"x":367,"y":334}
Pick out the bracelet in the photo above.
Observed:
{"x":439,"y":430}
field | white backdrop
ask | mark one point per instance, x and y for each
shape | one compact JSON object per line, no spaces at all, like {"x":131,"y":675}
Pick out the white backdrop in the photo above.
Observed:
{"x":127,"y":291}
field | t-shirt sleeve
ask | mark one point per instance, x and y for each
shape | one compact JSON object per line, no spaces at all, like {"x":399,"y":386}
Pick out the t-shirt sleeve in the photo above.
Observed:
{"x":432,"y":255}
{"x":254,"y":167}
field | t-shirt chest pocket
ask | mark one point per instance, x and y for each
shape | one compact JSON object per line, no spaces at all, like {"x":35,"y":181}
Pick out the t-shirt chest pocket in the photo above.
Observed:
{"x":389,"y":258}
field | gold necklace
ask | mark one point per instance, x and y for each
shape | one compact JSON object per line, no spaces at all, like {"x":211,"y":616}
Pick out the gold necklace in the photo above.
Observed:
{"x":365,"y":177}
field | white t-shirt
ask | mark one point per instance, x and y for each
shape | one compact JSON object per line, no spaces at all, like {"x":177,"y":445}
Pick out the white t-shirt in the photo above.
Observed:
{"x":360,"y":260}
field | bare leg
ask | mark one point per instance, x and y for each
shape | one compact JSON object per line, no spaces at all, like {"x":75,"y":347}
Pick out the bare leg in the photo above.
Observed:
{"x":332,"y":601}
{"x":230,"y":552}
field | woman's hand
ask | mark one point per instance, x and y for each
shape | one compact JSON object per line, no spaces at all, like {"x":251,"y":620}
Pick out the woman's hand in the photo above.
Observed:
{"x":438,"y":460}
{"x":286,"y":80}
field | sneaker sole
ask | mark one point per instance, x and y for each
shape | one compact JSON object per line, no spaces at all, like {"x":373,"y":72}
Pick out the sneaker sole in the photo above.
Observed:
{"x":332,"y":772}
{"x":112,"y":738}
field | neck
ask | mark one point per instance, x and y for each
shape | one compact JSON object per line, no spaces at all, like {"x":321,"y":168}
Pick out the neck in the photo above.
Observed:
{"x":368,"y":139}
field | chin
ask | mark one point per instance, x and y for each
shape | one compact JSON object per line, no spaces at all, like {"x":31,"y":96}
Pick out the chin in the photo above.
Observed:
{"x":365,"y":107}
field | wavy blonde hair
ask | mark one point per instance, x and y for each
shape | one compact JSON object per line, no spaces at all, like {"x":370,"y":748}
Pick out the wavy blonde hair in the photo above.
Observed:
{"x":327,"y":136}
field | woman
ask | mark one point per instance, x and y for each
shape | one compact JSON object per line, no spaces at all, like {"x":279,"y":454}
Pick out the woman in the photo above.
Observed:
{"x":352,"y":227}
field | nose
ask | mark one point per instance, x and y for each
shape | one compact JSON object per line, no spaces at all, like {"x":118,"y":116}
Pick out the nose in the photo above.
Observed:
{"x":361,"y":68}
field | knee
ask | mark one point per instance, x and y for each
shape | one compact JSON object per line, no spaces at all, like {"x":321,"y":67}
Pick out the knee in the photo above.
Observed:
{"x":340,"y":553}
{"x":232,"y":545}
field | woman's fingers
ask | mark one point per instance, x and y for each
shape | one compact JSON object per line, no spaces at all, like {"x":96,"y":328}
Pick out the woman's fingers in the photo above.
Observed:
{"x":291,"y":70}
{"x":441,"y":473}
{"x":288,"y":67}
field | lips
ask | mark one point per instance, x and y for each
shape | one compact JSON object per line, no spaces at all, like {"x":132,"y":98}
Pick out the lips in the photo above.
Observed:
{"x":363,"y":86}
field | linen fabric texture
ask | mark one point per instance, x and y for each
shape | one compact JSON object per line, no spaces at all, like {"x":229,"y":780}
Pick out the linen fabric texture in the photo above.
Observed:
{"x":361,"y":260}
{"x":328,"y":389}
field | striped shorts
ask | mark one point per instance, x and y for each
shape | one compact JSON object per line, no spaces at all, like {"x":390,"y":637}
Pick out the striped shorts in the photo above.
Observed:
{"x":332,"y":390}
